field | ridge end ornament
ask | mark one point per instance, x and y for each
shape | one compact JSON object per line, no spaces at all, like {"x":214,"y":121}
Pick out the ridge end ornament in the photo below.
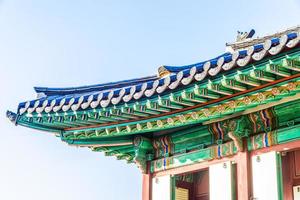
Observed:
{"x":12,"y":116}
{"x":244,"y":35}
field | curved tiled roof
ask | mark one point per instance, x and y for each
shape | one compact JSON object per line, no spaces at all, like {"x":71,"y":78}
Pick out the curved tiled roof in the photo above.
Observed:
{"x":170,"y":78}
{"x":121,"y":118}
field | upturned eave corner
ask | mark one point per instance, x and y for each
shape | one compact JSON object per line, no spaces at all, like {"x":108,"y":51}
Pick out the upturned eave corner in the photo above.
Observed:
{"x":13,"y":117}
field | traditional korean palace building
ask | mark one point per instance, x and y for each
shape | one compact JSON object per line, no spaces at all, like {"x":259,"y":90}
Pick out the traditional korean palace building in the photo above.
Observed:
{"x":223,"y":129}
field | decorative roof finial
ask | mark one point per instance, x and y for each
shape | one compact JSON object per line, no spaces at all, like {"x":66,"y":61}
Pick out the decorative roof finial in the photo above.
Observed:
{"x":163,"y":71}
{"x":244,"y":35}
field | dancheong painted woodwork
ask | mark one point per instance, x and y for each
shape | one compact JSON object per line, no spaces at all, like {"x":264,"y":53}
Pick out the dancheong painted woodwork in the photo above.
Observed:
{"x":189,"y":125}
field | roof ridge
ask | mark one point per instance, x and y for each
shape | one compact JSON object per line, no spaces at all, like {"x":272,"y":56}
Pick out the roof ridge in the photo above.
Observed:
{"x":49,"y":91}
{"x":237,"y":45}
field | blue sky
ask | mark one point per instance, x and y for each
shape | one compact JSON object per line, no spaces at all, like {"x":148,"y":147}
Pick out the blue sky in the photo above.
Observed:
{"x":72,"y":43}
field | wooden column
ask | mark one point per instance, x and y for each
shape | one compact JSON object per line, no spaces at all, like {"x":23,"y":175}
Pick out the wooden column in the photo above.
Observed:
{"x":287,"y":176}
{"x":146,"y":188}
{"x":243,"y":175}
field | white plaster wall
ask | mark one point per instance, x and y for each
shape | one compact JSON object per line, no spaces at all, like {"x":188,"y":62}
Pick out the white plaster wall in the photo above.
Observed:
{"x":264,"y":175}
{"x":296,"y":190}
{"x":161,"y":188}
{"x":220,"y":181}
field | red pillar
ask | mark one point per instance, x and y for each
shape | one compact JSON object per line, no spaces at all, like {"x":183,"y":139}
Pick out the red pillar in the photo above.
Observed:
{"x":146,"y":188}
{"x":243,"y":175}
{"x":287,"y":174}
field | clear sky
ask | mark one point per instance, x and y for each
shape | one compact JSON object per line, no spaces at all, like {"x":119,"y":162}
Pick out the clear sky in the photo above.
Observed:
{"x":71,"y":43}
